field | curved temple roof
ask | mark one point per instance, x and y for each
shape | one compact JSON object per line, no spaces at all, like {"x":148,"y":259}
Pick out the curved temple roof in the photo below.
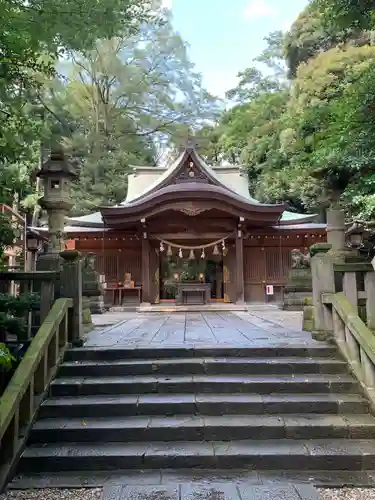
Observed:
{"x":151,"y":186}
{"x":146,"y":180}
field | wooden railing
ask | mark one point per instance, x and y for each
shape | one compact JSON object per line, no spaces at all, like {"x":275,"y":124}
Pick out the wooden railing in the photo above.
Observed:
{"x":61,"y":325}
{"x":357,"y":282}
{"x":351,"y":312}
{"x":24,"y":282}
{"x":355,"y":341}
{"x":23,"y":395}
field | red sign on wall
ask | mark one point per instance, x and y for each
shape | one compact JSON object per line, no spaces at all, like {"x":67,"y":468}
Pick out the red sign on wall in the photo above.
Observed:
{"x":269,"y":289}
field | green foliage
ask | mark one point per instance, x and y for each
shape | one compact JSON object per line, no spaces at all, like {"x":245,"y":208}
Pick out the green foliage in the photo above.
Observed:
{"x":350,"y":145}
{"x":6,"y":234}
{"x":308,"y":142}
{"x":13,"y":313}
{"x":339,"y":14}
{"x":252,"y":84}
{"x":303,"y":130}
{"x":210,"y":147}
{"x":310,"y":35}
{"x":12,"y":325}
{"x":120,"y":101}
{"x":18,"y":305}
{"x":33,"y":35}
{"x":6,"y":359}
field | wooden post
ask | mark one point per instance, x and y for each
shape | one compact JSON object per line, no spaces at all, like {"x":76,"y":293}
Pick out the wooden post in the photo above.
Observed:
{"x":47,"y":297}
{"x":240,"y":292}
{"x":349,"y":285}
{"x":145,"y":269}
{"x":370,"y":299}
{"x":154,"y":275}
{"x":71,"y":287}
{"x":323,"y":281}
{"x":339,"y":330}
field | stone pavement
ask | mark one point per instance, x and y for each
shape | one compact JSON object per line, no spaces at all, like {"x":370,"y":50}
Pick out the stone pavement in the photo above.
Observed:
{"x":211,"y":491}
{"x":202,"y":328}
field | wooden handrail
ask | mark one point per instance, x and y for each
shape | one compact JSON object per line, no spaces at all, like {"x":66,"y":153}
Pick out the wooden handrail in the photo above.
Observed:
{"x":28,"y":275}
{"x":355,"y":341}
{"x":357,"y":327}
{"x":353,"y":267}
{"x":24,"y":393}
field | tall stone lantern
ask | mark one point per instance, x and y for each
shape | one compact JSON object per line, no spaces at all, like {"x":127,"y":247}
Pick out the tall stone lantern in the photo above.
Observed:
{"x":57,"y":174}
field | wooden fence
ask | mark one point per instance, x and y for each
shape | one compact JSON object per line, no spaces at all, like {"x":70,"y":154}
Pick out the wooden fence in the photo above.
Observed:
{"x":26,"y":390}
{"x":350,"y":310}
{"x":23,"y":282}
{"x":61,"y":326}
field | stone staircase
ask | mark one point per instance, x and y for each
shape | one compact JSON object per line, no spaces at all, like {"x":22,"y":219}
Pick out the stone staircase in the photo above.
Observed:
{"x":284,"y":408}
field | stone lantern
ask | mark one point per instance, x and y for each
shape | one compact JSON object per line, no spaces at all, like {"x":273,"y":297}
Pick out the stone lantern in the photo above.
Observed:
{"x":33,"y":244}
{"x":57,"y":174}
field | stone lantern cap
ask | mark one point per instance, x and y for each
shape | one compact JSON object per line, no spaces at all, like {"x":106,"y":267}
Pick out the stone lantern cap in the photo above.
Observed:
{"x":58,"y":163}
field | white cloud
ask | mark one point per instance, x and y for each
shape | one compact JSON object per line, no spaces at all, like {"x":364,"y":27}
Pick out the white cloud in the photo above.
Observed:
{"x":167,"y":4}
{"x":260,"y":8}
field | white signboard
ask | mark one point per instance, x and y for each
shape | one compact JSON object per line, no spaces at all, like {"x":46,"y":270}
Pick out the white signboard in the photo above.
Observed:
{"x":269,"y":289}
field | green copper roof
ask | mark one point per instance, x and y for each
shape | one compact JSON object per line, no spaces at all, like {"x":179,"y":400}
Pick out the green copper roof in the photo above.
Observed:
{"x":292,"y":216}
{"x":95,"y":219}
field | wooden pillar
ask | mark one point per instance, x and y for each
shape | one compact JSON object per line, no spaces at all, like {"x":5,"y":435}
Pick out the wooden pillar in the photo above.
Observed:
{"x":370,"y":300}
{"x":240,"y":287}
{"x":71,"y":287}
{"x":145,"y":269}
{"x":323,"y":281}
{"x":154,"y":275}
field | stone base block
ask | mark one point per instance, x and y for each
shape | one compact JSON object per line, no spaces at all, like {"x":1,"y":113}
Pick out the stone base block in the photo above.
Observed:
{"x":295,"y":301}
{"x":322,"y":335}
{"x":308,"y":318}
{"x":97,"y":305}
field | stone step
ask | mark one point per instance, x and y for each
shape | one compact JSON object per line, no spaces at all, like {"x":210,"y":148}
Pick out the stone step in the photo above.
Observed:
{"x":285,"y":454}
{"x":261,"y":384}
{"x":201,"y":366}
{"x":208,"y":428}
{"x":320,"y":350}
{"x":94,"y":479}
{"x":203,"y":404}
{"x":210,"y":491}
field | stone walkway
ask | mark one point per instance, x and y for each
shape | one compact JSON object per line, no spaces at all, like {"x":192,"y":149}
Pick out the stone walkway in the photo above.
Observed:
{"x":205,"y":328}
{"x":212,"y":491}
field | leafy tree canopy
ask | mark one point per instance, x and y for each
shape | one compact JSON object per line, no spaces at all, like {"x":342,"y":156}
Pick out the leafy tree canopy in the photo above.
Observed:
{"x":344,"y":14}
{"x":308,"y":140}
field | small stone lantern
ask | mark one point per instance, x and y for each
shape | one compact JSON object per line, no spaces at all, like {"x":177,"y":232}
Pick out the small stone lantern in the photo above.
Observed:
{"x":354,"y":236}
{"x":33,"y":241}
{"x":57,"y":174}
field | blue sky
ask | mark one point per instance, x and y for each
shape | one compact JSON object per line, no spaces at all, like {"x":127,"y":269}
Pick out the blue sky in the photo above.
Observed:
{"x":225,"y":36}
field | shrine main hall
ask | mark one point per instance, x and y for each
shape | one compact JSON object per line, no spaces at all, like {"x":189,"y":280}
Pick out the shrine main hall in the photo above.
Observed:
{"x":190,"y":233}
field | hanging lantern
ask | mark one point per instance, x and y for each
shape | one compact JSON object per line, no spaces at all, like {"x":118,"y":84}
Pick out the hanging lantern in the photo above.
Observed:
{"x":191,"y":255}
{"x":216,"y":251}
{"x":223,"y":244}
{"x":169,"y":251}
{"x":161,"y":246}
{"x":180,"y":253}
{"x":203,"y":255}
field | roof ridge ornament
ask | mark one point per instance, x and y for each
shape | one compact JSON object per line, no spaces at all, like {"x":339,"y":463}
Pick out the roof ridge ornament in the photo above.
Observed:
{"x":192,"y":143}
